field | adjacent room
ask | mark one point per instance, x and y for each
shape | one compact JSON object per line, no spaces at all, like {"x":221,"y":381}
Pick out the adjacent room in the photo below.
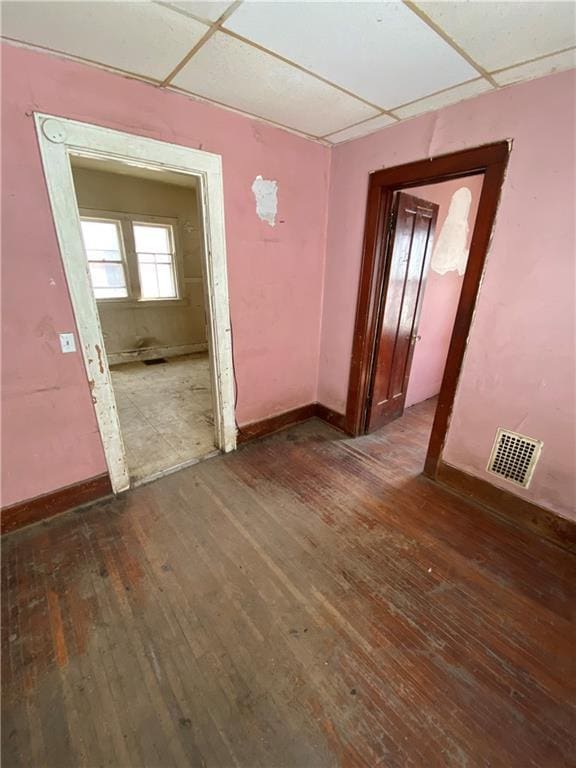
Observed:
{"x":429,"y":239}
{"x":457,"y":206}
{"x":143,"y":238}
{"x":288,"y":384}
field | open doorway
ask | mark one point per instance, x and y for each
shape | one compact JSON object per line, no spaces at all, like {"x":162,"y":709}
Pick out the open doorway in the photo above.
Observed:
{"x":428,"y":248}
{"x":133,"y":255}
{"x":457,"y":202}
{"x":142,"y":235}
{"x":419,"y":281}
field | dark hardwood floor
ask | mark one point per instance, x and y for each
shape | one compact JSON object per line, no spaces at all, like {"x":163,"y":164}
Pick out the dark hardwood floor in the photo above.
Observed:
{"x":309,"y":601}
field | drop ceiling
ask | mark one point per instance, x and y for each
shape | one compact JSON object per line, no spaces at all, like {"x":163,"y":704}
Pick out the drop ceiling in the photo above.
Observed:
{"x":330,"y":70}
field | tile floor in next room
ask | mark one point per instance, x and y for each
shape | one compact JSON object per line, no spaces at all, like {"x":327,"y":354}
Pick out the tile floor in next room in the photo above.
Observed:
{"x":165,"y":411}
{"x":308,"y":601}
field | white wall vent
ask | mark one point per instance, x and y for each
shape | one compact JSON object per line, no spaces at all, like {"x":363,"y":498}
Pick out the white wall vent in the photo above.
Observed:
{"x":514,"y":457}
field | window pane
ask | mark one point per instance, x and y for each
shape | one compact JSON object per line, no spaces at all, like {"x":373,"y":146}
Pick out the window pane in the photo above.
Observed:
{"x":165,"y":281}
{"x":109,"y":293}
{"x":103,"y":255}
{"x":101,"y":240}
{"x":108,"y":276}
{"x":152,"y":239}
{"x":148,"y":281}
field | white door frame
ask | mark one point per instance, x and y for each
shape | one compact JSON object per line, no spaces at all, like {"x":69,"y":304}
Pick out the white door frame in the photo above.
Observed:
{"x":58,"y":139}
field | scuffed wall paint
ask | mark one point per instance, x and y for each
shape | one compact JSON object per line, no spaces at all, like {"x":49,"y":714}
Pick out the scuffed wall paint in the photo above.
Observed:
{"x":266,"y":196}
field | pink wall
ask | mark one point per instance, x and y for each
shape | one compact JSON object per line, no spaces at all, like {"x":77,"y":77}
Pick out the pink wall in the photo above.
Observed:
{"x":519,"y":366}
{"x":441,"y":297}
{"x":50,"y":436}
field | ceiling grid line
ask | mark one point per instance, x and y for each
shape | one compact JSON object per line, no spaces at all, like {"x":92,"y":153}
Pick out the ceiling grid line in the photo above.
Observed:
{"x":204,"y":39}
{"x":37,"y":30}
{"x":401,"y":106}
{"x":353,"y":125}
{"x":173,"y":88}
{"x":310,"y":72}
{"x":253,"y":115}
{"x":82,"y":59}
{"x":447,"y":39}
{"x":436,"y":93}
{"x":183,"y":12}
{"x":531,"y":61}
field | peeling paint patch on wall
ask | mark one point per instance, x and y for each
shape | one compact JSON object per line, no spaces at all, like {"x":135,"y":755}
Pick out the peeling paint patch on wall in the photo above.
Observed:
{"x":266,"y":196}
{"x":451,"y":250}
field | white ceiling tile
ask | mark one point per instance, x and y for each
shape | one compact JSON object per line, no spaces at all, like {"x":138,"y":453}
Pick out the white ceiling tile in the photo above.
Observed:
{"x":211,"y":10}
{"x":361,"y":130}
{"x":545,"y":66}
{"x":128,"y":36}
{"x":440,"y":100}
{"x":502,"y":33}
{"x":237,"y":74}
{"x":380,"y":51}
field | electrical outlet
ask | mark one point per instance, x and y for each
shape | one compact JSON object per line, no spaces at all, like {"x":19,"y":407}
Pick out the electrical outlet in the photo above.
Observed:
{"x":67,"y":342}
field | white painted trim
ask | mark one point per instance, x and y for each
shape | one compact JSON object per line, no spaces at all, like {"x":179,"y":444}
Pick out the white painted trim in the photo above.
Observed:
{"x":149,"y":353}
{"x":59,"y":138}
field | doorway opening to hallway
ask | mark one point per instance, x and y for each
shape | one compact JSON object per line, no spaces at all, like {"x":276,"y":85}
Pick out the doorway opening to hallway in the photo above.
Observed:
{"x":428,"y":226}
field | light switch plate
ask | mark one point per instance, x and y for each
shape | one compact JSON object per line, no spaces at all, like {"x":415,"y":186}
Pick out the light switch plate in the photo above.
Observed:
{"x":67,"y":342}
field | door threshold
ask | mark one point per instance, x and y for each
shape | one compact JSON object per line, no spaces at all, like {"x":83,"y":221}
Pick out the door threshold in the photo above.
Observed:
{"x":175,"y":468}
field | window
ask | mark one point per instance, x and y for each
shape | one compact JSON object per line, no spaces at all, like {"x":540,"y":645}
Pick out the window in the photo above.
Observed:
{"x":155,"y":255}
{"x":103,"y":243}
{"x":130,"y":259}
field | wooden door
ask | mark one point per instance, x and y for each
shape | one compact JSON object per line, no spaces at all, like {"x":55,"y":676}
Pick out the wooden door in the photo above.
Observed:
{"x":409,"y":246}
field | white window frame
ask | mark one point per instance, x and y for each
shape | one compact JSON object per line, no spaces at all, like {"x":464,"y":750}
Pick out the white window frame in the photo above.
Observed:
{"x":109,"y":219}
{"x":126,"y":221}
{"x":59,"y":139}
{"x":176,"y":272}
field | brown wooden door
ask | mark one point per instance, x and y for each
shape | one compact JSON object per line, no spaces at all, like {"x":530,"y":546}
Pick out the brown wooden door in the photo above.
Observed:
{"x":409,"y":245}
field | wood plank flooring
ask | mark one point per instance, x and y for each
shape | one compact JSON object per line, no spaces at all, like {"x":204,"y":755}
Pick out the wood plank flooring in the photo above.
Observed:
{"x":307,"y":602}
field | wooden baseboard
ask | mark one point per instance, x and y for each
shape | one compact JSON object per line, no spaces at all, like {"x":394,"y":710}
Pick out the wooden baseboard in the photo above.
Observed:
{"x":331,"y":417}
{"x":519,"y":511}
{"x":42,"y":507}
{"x":289,"y":419}
{"x":151,"y":353}
{"x":275,"y":423}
